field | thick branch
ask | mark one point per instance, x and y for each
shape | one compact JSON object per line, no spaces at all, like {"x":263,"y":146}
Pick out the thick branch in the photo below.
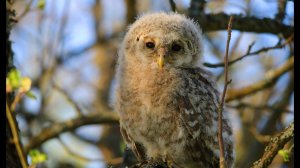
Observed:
{"x":270,"y":78}
{"x":58,"y":128}
{"x":214,"y":22}
{"x":274,"y":146}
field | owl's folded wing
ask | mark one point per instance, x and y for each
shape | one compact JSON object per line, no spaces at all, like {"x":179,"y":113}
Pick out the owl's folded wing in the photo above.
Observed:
{"x":198,"y":115}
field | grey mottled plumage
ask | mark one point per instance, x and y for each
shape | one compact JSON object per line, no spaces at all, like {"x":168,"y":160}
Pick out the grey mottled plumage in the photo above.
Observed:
{"x":167,"y":105}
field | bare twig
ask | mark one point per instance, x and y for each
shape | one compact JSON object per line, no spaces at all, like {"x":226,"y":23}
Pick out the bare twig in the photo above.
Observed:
{"x":15,"y":137}
{"x":274,"y":146}
{"x":270,"y":78}
{"x":69,"y":99}
{"x":248,"y":53}
{"x":220,"y":109}
{"x":55,"y":129}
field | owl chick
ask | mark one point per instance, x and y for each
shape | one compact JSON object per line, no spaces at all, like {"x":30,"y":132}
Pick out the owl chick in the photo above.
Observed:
{"x":167,"y":105}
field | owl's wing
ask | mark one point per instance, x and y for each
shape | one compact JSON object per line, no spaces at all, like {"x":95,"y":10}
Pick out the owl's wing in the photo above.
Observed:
{"x":198,"y":101}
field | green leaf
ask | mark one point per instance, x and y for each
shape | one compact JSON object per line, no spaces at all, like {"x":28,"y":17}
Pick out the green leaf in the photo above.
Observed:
{"x":285,"y":154}
{"x":37,"y":157}
{"x":14,"y":77}
{"x":41,"y":4}
{"x":31,"y":95}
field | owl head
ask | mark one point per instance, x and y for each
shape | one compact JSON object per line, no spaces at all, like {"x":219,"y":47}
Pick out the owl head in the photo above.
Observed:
{"x":162,"y":40}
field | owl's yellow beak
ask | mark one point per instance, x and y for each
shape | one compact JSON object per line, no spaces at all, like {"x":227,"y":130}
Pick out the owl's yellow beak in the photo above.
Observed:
{"x":161,"y":58}
{"x":160,"y":61}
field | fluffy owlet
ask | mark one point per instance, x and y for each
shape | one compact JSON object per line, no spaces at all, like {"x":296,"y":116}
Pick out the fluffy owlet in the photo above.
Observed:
{"x":168,"y":105}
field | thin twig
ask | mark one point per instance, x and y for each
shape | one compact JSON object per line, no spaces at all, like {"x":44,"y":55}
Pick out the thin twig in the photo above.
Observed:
{"x":69,"y":99}
{"x":248,"y":53}
{"x":15,"y":138}
{"x":274,"y":146}
{"x":220,"y":109}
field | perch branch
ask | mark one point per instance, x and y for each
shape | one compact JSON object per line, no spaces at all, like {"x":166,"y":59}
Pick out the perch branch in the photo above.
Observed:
{"x":220,"y":109}
{"x":69,"y":125}
{"x":269,"y":79}
{"x":274,"y":146}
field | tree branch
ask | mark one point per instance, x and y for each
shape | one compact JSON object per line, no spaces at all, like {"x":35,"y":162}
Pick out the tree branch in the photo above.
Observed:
{"x":214,"y":22}
{"x":55,"y":129}
{"x":220,"y":109}
{"x":270,"y":78}
{"x":242,"y":105}
{"x":274,"y":146}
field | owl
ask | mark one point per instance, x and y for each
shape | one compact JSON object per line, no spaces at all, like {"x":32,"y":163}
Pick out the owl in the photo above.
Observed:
{"x":168,"y":106}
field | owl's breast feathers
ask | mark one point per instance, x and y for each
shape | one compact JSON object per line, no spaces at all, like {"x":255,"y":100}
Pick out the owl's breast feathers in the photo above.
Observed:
{"x":178,"y":109}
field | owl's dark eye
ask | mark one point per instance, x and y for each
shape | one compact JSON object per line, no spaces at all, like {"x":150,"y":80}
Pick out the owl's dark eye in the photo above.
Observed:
{"x":176,"y":47}
{"x":150,"y":45}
